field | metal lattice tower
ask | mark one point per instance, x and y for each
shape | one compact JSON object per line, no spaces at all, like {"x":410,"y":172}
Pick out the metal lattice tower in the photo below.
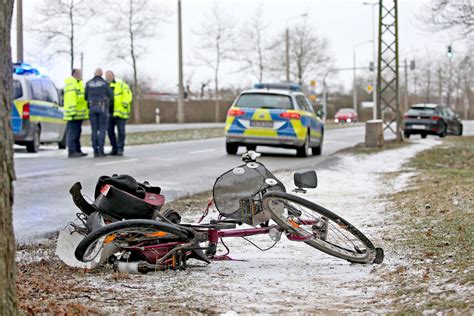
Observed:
{"x":388,"y":105}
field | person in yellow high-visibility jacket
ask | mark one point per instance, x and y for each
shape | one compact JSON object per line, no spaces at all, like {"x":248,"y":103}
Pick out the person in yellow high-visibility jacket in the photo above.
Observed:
{"x":75,"y":112}
{"x":119,"y":112}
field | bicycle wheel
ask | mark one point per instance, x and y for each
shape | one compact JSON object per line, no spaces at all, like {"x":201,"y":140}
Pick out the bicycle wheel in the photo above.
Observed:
{"x":320,"y":228}
{"x":113,"y":238}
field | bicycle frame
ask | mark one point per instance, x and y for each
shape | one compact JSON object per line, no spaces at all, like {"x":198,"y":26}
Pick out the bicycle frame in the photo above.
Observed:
{"x":154,"y":253}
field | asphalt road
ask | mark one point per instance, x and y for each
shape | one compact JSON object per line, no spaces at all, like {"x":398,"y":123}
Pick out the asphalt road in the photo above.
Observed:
{"x":43,"y":204}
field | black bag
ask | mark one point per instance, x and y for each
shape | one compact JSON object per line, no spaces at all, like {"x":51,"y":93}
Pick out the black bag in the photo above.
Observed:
{"x":122,"y":197}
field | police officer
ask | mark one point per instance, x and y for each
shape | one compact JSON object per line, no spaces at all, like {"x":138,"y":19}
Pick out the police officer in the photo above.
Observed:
{"x":75,"y":112}
{"x":98,"y":96}
{"x":120,"y":112}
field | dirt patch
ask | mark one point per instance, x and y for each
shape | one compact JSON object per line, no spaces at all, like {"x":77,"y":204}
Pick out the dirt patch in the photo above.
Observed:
{"x":430,"y":231}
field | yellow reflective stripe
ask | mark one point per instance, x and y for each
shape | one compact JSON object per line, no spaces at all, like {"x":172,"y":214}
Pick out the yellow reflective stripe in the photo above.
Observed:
{"x":35,"y":118}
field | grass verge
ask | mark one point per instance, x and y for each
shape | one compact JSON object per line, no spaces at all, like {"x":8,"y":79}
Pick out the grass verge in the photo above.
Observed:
{"x":156,"y":137}
{"x":361,"y":149}
{"x":433,"y":235}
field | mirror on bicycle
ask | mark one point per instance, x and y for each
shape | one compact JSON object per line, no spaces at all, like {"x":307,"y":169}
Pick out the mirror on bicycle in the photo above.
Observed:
{"x":306,"y":179}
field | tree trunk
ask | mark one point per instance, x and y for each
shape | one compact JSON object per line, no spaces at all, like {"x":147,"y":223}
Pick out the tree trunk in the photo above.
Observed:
{"x":8,"y":301}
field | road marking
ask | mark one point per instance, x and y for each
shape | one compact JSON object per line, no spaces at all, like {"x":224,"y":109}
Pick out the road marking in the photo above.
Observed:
{"x":115,"y":162}
{"x":202,"y":151}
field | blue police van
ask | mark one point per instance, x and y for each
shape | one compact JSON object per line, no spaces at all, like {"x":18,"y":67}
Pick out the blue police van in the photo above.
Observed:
{"x":37,"y":113}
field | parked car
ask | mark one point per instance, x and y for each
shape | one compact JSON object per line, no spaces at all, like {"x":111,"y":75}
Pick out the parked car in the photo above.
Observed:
{"x":346,"y":115}
{"x":431,"y":119}
{"x":276,"y":115}
{"x":37,"y":115}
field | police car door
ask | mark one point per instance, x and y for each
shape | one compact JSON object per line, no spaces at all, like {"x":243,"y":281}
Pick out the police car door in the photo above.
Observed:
{"x":58,"y":125}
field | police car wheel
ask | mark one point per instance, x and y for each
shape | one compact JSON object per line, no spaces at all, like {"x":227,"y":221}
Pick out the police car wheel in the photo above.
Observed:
{"x":34,"y":145}
{"x":303,"y":150}
{"x":231,"y":149}
{"x":318,"y":150}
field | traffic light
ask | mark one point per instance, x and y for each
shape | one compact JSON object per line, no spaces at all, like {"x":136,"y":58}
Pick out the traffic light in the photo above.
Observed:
{"x":412,"y":65}
{"x":371,"y":66}
{"x":450,"y":52}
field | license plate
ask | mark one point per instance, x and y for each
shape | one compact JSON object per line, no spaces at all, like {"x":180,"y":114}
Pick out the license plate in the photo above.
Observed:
{"x":267,"y":124}
{"x":418,"y":126}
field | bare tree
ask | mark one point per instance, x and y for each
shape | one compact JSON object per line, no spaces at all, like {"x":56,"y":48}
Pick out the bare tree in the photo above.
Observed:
{"x":129,"y":26}
{"x":8,"y":300}
{"x":253,"y":47}
{"x":58,"y":24}
{"x":215,"y":41}
{"x":451,"y":15}
{"x":309,"y":53}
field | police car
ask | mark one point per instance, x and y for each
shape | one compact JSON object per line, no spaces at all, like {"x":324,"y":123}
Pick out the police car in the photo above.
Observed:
{"x":276,"y":115}
{"x":37,"y":115}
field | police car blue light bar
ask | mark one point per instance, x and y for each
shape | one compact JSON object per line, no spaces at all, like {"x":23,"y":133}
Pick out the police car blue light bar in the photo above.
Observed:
{"x":280,"y":86}
{"x":21,"y":69}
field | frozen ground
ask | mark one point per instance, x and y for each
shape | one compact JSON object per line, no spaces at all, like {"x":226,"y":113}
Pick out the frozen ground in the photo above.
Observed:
{"x":291,"y":277}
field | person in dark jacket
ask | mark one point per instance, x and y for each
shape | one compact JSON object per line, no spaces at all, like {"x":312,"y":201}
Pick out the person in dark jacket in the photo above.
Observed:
{"x":98,"y":95}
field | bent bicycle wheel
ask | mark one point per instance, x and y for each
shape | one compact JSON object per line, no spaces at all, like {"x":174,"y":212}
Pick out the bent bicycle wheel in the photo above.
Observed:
{"x":320,"y":228}
{"x":114,"y":237}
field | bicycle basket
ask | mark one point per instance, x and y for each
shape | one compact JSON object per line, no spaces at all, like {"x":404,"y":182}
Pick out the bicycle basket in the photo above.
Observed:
{"x":236,"y":192}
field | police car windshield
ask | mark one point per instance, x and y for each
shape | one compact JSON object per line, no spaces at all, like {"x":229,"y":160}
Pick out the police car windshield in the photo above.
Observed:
{"x":264,"y":100}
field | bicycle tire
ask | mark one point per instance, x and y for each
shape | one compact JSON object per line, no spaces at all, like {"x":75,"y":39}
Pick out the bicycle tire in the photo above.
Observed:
{"x":356,"y":255}
{"x":83,"y":247}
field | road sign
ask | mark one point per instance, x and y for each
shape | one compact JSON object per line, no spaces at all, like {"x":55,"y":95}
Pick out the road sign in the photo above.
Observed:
{"x":369,"y":88}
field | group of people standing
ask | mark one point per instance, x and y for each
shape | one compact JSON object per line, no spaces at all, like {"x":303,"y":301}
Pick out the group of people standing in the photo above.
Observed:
{"x":105,"y":102}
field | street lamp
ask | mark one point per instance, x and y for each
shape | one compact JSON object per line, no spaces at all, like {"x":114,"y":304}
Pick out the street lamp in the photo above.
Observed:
{"x":180,"y":112}
{"x":287,"y":45}
{"x":374,"y":39}
{"x":354,"y":88}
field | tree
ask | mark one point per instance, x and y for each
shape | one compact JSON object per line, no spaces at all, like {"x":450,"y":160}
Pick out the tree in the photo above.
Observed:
{"x":309,"y":56}
{"x":8,"y":301}
{"x":215,"y":47}
{"x":58,"y":23}
{"x":129,"y":25}
{"x":451,"y":15}
{"x":253,"y":47}
{"x":308,"y":52}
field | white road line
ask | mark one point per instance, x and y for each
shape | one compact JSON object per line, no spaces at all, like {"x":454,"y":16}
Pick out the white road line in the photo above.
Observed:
{"x":115,"y":162}
{"x":202,"y":151}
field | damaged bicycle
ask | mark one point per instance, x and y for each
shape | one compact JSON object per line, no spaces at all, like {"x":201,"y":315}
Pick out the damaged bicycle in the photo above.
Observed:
{"x":126,"y":227}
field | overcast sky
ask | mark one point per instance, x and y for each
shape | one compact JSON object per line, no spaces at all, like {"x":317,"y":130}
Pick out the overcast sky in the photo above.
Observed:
{"x":344,"y":23}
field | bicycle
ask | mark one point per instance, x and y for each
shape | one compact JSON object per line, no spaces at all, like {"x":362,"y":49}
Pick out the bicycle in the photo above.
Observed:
{"x":247,"y":194}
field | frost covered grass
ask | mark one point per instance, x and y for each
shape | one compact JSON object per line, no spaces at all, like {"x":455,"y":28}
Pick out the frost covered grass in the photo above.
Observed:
{"x":433,"y":231}
{"x":292,"y":278}
{"x":361,"y":149}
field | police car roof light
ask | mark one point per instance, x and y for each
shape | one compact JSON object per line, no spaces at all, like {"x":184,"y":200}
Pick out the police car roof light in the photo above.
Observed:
{"x":281,"y":86}
{"x":21,"y":69}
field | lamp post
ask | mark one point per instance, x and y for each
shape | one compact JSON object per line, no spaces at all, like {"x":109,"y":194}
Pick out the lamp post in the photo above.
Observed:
{"x":180,"y":112}
{"x":374,"y":58}
{"x":19,"y":31}
{"x":287,"y":45}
